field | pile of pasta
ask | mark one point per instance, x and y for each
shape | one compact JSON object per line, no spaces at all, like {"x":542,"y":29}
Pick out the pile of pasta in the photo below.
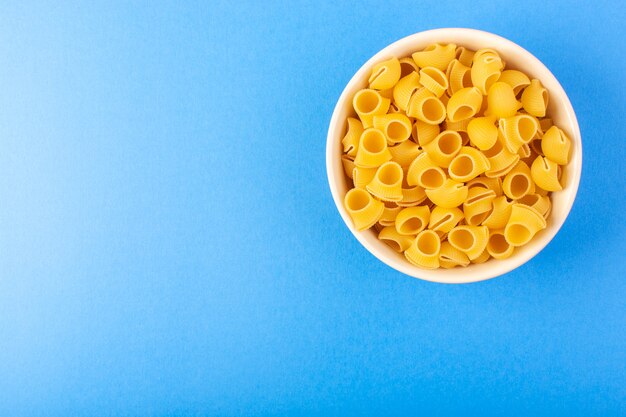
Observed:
{"x":452,"y":156}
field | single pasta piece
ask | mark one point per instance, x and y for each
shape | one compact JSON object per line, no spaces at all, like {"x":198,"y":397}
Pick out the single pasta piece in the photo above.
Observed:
{"x":517,"y":131}
{"x":396,"y":127}
{"x":471,"y":240}
{"x":468,"y":164}
{"x":387,"y":183}
{"x":535,"y":99}
{"x":518,"y":182}
{"x":407,"y":65}
{"x":486,"y":52}
{"x":372,"y":151}
{"x":494,"y":184}
{"x":404,"y":90}
{"x":389,"y":214}
{"x":385,"y":74}
{"x":391,"y":237}
{"x":449,"y":256}
{"x":424,"y":251}
{"x":485,"y":71}
{"x":500,"y":213}
{"x":501,"y":161}
{"x":442,"y":219}
{"x":444,"y":147}
{"x":363,"y":176}
{"x":460,"y":126}
{"x":545,"y":174}
{"x":523,"y":224}
{"x":426,"y":107}
{"x":478,"y":205}
{"x":450,"y":194}
{"x":458,"y":76}
{"x":412,"y":220}
{"x":434,"y":80}
{"x":540,"y":203}
{"x":362,"y":208}
{"x":464,"y":104}
{"x":423,"y":133}
{"x":482,"y":258}
{"x":404,"y":153}
{"x":465,"y":56}
{"x":516,"y":79}
{"x":350,"y":141}
{"x":425,"y":173}
{"x":501,"y":100}
{"x":368,"y":103}
{"x":497,"y":246}
{"x":556,"y":145}
{"x":436,"y":55}
{"x":482,"y":132}
{"x":412,"y":196}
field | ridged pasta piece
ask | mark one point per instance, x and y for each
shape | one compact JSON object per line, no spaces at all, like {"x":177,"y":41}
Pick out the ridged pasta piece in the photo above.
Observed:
{"x":442,"y":219}
{"x":404,"y":90}
{"x":423,"y":133}
{"x":556,"y":146}
{"x":425,"y":173}
{"x":389,"y":214}
{"x":516,"y":79}
{"x":404,"y":153}
{"x":407,"y":65}
{"x":486,"y":52}
{"x":501,"y":100}
{"x":497,"y":246}
{"x":412,"y":196}
{"x":524,"y":151}
{"x":518,"y":182}
{"x":372,"y":151}
{"x":493,"y":184}
{"x":465,"y":56}
{"x":350,"y":141}
{"x":483,"y":132}
{"x":434,"y":80}
{"x":485,"y":71}
{"x":459,"y":76}
{"x":449,"y":256}
{"x":517,"y":131}
{"x":545,"y":174}
{"x":391,"y":237}
{"x":482,"y":258}
{"x":424,"y":251}
{"x":396,"y":127}
{"x":363,"y":208}
{"x":501,"y":161}
{"x":385,"y":74}
{"x":500,"y":213}
{"x":387,"y":183}
{"x":464,"y":104}
{"x":436,"y":55}
{"x":363,"y":176}
{"x":478,"y":205}
{"x":348,"y":165}
{"x":450,"y":194}
{"x":444,"y":147}
{"x":471,"y":240}
{"x":426,"y":107}
{"x":368,"y":103}
{"x":535,"y":99}
{"x":539,"y":202}
{"x":412,"y":220}
{"x":388,"y":94}
{"x":468,"y":164}
{"x":459,"y":126}
{"x":523,"y":224}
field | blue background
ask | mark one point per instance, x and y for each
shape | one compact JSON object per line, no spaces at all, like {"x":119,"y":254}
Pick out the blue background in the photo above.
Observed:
{"x":169,"y":245}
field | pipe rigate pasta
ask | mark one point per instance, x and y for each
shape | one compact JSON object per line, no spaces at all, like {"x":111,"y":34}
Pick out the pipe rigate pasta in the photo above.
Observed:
{"x":449,"y":256}
{"x":434,"y":80}
{"x":444,"y":147}
{"x":387,"y":182}
{"x":497,"y":246}
{"x":350,"y":141}
{"x":398,"y":242}
{"x":523,"y":224}
{"x":407,"y":65}
{"x":556,"y":145}
{"x":385,"y":74}
{"x":425,"y":106}
{"x":471,"y":240}
{"x":501,"y":101}
{"x":450,"y":194}
{"x":363,"y":176}
{"x":478,"y":205}
{"x":518,"y":182}
{"x":436,"y":55}
{"x":363,"y":208}
{"x":443,"y":219}
{"x":404,"y":153}
{"x":368,"y":103}
{"x":464,"y":55}
{"x":458,"y":76}
{"x":412,"y":220}
{"x":404,"y":90}
{"x":485,"y":71}
{"x":483,"y":132}
{"x":348,"y":165}
{"x":545,"y":174}
{"x":390,"y":212}
{"x":423,"y":133}
{"x":494,"y":184}
{"x":464,"y":104}
{"x":373,"y":150}
{"x":516,"y":79}
{"x":518,"y":131}
{"x":500,"y":213}
{"x":535,"y":99}
{"x":425,"y":173}
{"x":468,"y":164}
{"x":396,"y":127}
{"x":424,"y":251}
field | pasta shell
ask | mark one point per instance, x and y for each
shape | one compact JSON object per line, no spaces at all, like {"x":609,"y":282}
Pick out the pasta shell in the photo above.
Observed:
{"x":368,"y":103}
{"x":350,"y":141}
{"x":412,"y":220}
{"x":404,"y":153}
{"x":436,"y":55}
{"x":465,"y":56}
{"x":497,"y":246}
{"x":501,"y":100}
{"x":443,"y":219}
{"x":424,"y":251}
{"x":389,"y":214}
{"x":545,"y":174}
{"x":501,"y":161}
{"x":396,"y":127}
{"x":444,"y":147}
{"x":478,"y":205}
{"x":404,"y":89}
{"x":535,"y":99}
{"x":464,"y":104}
{"x":458,"y":76}
{"x":516,"y":79}
{"x":518,"y":182}
{"x":482,"y":132}
{"x":500,"y":213}
{"x":482,"y":258}
{"x":485,"y":71}
{"x":363,"y":176}
{"x":449,"y":256}
{"x":407,"y":65}
{"x":468,"y":164}
{"x":426,"y":107}
{"x":362,"y":208}
{"x":517,"y":131}
{"x":450,"y":194}
{"x":540,"y":203}
{"x":434,"y":80}
{"x":471,"y":240}
{"x":423,"y":133}
{"x":372,"y":151}
{"x":556,"y":145}
{"x":494,"y":184}
{"x":459,"y":126}
{"x":412,"y":196}
{"x":387,"y":183}
{"x":385,"y":74}
{"x":391,"y":237}
{"x":523,"y":224}
{"x":425,"y":173}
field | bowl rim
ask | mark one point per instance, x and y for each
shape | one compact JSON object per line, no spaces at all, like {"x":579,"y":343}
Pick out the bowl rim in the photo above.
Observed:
{"x":442,"y":275}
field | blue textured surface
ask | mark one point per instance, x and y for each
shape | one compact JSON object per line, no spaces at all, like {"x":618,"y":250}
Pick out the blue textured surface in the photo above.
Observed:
{"x":169,"y":245}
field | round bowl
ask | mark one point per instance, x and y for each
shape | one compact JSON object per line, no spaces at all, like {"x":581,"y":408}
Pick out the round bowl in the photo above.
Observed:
{"x":559,"y":108}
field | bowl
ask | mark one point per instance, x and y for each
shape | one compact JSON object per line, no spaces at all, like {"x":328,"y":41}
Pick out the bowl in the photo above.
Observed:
{"x":559,"y":108}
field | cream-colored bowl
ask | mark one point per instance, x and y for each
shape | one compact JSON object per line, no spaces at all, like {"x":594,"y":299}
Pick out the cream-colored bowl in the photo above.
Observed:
{"x":559,"y":109}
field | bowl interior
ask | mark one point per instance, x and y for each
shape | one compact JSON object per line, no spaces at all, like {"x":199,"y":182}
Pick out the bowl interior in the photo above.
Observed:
{"x":559,"y":109}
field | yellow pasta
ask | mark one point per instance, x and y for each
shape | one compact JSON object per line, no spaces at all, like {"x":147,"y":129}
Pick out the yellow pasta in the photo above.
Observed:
{"x":442,"y":219}
{"x":396,"y":127}
{"x":424,"y":251}
{"x":494,"y":184}
{"x":518,"y":131}
{"x":404,"y":153}
{"x":412,"y":196}
{"x":501,"y":100}
{"x":459,"y":76}
{"x":407,"y":65}
{"x":501,"y":161}
{"x":464,"y":104}
{"x":518,"y":182}
{"x":450,"y":194}
{"x":482,"y":132}
{"x":368,"y":103}
{"x":425,"y":173}
{"x":348,"y":165}
{"x":412,"y":220}
{"x":372,"y":151}
{"x":444,"y":147}
{"x":425,"y":106}
{"x":545,"y":124}
{"x":350,"y":141}
{"x":482,"y":258}
{"x":471,"y":240}
{"x":388,"y":217}
{"x":523,"y":224}
{"x":391,"y":237}
{"x":485,"y":71}
{"x":545,"y":174}
{"x":500,"y":213}
{"x":478,"y":205}
{"x":459,"y":126}
{"x":524,"y":151}
{"x":535,"y":99}
{"x":423,"y":133}
{"x":497,"y":246}
{"x":385,"y":74}
{"x":387,"y":183}
{"x":540,"y":203}
{"x":404,"y":90}
{"x":436,"y":55}
{"x":556,"y":145}
{"x":516,"y":79}
{"x":434,"y":80}
{"x":449,"y":256}
{"x":468,"y":164}
{"x":362,"y":208}
{"x":465,"y":56}
{"x":363,"y":176}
